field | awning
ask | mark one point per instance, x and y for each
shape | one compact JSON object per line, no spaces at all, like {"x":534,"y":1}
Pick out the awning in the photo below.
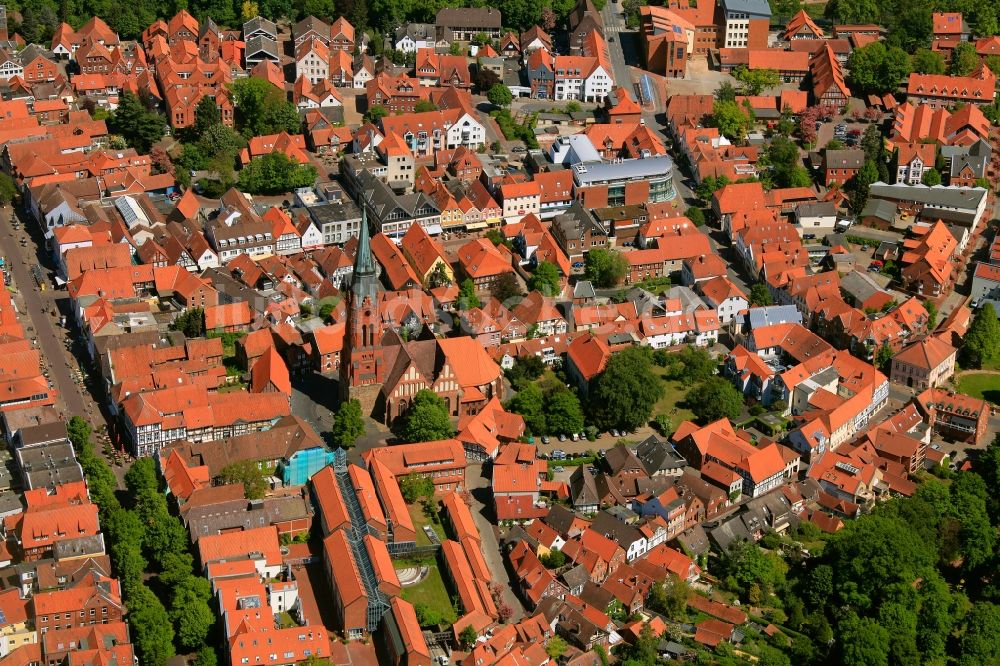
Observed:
{"x":433,"y":229}
{"x":476,"y":225}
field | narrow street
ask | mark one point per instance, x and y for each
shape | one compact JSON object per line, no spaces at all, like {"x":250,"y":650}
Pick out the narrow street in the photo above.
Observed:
{"x":41,"y":326}
{"x":479,"y":488}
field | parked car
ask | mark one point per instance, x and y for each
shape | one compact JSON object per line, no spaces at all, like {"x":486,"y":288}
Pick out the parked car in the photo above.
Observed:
{"x":576,"y":437}
{"x":558,"y":468}
{"x":562,"y":438}
{"x":559,"y":454}
{"x":545,"y":439}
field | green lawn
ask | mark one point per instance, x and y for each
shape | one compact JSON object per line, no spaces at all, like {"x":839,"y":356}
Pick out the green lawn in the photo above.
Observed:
{"x":673,"y":398}
{"x":433,"y":593}
{"x":419,"y":520}
{"x":981,"y":385}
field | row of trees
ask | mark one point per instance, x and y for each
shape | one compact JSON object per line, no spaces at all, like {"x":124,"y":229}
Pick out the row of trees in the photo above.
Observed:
{"x":145,"y":536}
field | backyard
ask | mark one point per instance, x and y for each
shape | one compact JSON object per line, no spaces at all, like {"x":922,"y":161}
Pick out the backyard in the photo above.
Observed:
{"x":431,"y":592}
{"x":985,"y":385}
{"x":672,"y":402}
{"x":420,"y":519}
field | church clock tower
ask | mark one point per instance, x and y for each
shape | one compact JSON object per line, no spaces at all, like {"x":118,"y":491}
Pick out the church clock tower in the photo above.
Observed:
{"x":361,"y":369}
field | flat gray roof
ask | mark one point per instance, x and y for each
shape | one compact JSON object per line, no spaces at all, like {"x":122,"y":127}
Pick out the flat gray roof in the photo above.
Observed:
{"x":586,"y":173}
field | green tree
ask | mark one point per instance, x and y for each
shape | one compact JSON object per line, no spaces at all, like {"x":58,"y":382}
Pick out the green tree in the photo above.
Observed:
{"x":262,"y":109}
{"x":932,"y":314}
{"x":375,"y":114}
{"x":756,"y":81}
{"x":669,"y":597}
{"x":499,"y":95}
{"x":505,"y":287}
{"x":415,"y":487}
{"x":192,"y":617}
{"x":467,"y":298}
{"x":689,"y":366}
{"x":545,"y":278}
{"x":883,"y":357}
{"x":876,"y":68}
{"x":556,"y":648}
{"x":786,"y":163}
{"x":760,"y":295}
{"x":964,"y":59}
{"x":529,"y":403}
{"x":731,"y":119}
{"x":427,"y":419}
{"x":982,"y":341}
{"x":715,"y":398}
{"x":605,"y":268}
{"x":863,"y":642}
{"x":468,"y":637}
{"x":709,"y":185}
{"x":563,"y":413}
{"x":249,"y":474}
{"x":626,"y":391}
{"x":140,"y":126}
{"x":696,"y":216}
{"x":206,"y":115}
{"x":926,"y":61}
{"x":980,"y":643}
{"x":931,"y":177}
{"x":152,"y":633}
{"x":993,"y":62}
{"x":190,"y":322}
{"x":860,"y":185}
{"x":221,"y":141}
{"x":726,"y":92}
{"x":275,"y":173}
{"x":348,"y":425}
{"x":526,"y":369}
{"x":78,"y":431}
{"x":872,"y":557}
{"x":745,"y":564}
{"x":976,"y":536}
{"x":553,"y":559}
{"x":8,"y":189}
{"x":206,"y":657}
{"x":425,"y":105}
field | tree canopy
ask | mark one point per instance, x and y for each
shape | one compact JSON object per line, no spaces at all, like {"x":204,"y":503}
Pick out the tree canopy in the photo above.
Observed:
{"x":427,"y":419}
{"x":348,"y":424}
{"x":249,"y":474}
{"x":731,"y":119}
{"x":982,"y":341}
{"x":926,"y":61}
{"x":545,"y":278}
{"x":876,"y":68}
{"x":275,"y":173}
{"x":605,"y":268}
{"x":499,"y":95}
{"x":756,"y":81}
{"x":714,"y":399}
{"x":262,"y":109}
{"x":140,"y":126}
{"x":626,"y":391}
